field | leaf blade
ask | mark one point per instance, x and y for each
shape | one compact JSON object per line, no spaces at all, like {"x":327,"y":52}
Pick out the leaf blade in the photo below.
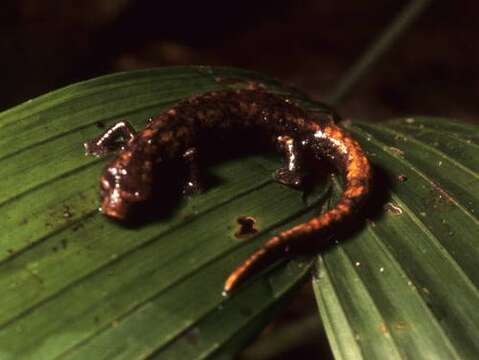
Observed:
{"x":429,"y":233}
{"x":58,"y":252}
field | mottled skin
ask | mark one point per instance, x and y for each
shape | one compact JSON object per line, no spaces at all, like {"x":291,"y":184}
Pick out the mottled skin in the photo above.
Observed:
{"x":173,"y":135}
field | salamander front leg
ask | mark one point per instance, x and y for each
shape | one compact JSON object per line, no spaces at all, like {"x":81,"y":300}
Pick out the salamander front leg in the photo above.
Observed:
{"x":292,"y":173}
{"x":193,"y":183}
{"x":117,"y":136}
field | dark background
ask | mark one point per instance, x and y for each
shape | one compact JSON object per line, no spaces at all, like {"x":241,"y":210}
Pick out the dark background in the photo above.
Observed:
{"x":432,"y":69}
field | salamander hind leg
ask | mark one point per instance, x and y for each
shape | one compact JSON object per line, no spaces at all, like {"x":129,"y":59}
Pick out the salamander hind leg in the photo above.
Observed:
{"x":292,"y":173}
{"x":116,"y":136}
{"x":193,"y":183}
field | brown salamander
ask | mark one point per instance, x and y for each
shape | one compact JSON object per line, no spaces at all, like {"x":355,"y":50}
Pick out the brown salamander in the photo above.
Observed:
{"x":173,"y":134}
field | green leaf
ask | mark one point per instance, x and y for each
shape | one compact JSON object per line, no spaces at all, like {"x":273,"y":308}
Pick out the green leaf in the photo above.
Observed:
{"x":407,"y":285}
{"x":77,"y":286}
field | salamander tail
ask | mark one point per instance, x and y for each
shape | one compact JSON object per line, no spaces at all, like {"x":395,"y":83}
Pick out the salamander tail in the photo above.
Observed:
{"x":351,"y":161}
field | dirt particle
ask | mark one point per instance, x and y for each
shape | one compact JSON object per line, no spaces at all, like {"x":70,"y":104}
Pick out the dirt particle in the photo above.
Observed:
{"x":192,"y":336}
{"x":396,"y":151}
{"x":393,"y":209}
{"x":77,"y":226}
{"x":441,"y":199}
{"x":253,"y":85}
{"x":402,"y":178}
{"x":187,"y":216}
{"x":246,"y":226}
{"x":400,"y":325}
{"x":67,"y":212}
{"x":100,"y":124}
{"x":383,"y":328}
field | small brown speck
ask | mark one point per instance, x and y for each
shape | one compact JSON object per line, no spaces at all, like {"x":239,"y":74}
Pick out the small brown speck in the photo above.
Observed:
{"x":383,"y":328}
{"x":187,"y":216}
{"x":253,"y":85}
{"x":192,"y":336}
{"x":66,"y":212}
{"x":246,"y":226}
{"x":402,"y":178}
{"x":100,"y":124}
{"x":396,"y":151}
{"x":77,"y":226}
{"x":400,"y":325}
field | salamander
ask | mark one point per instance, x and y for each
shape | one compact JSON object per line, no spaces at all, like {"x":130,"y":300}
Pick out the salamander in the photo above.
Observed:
{"x":173,"y":134}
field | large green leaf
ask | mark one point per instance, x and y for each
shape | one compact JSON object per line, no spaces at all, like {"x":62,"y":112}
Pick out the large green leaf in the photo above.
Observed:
{"x":407,"y":285}
{"x":75,"y":285}
{"x":78,"y":286}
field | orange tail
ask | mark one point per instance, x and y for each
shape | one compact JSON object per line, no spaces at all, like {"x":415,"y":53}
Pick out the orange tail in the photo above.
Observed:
{"x":357,"y":173}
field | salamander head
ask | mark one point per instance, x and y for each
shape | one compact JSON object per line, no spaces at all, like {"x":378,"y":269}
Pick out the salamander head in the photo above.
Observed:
{"x":123,"y":184}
